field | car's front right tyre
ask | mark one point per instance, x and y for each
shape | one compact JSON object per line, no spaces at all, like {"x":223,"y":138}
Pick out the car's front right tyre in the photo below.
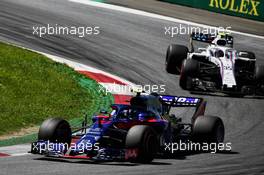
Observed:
{"x":208,"y":129}
{"x":174,"y":58}
{"x":190,"y":69}
{"x":143,"y":140}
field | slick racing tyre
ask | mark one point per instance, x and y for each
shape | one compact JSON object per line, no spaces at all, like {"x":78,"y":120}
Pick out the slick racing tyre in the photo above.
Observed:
{"x":55,"y":130}
{"x":174,"y":58}
{"x":242,"y":65}
{"x":143,"y":139}
{"x":190,"y":68}
{"x":208,"y":129}
{"x":260,"y":74}
{"x":247,"y":54}
{"x":260,"y":79}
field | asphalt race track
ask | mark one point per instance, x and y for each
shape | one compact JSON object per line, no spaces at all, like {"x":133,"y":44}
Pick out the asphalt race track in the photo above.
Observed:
{"x":133,"y":47}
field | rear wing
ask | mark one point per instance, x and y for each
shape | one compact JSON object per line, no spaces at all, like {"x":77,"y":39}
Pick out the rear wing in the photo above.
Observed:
{"x":178,"y":101}
{"x":208,"y":38}
{"x":169,"y":101}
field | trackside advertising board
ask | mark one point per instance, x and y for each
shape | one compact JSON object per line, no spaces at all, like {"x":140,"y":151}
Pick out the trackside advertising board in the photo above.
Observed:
{"x":252,"y":9}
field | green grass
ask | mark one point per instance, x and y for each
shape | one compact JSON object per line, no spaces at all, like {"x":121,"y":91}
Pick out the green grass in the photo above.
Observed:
{"x":33,"y":88}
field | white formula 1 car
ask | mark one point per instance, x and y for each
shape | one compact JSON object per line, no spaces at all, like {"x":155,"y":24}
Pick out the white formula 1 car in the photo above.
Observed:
{"x":215,"y":68}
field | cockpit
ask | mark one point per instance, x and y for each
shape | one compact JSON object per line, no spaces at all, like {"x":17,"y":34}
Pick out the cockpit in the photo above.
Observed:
{"x":133,"y":113}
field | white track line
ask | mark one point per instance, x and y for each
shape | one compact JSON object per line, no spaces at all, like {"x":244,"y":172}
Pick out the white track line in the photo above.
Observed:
{"x":79,"y":67}
{"x":16,"y":150}
{"x":152,"y":15}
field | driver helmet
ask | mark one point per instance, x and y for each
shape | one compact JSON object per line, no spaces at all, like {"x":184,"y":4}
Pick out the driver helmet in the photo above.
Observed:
{"x":124,"y":113}
{"x":219,"y":53}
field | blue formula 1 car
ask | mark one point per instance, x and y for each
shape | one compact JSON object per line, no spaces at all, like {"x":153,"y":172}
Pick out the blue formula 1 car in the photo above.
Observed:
{"x":136,"y":132}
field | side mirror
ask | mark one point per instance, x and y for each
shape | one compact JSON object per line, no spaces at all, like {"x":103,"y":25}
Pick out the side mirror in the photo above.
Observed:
{"x":103,"y":112}
{"x":201,"y":49}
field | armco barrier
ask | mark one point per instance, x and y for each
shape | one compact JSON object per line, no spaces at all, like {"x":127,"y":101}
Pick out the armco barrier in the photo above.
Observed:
{"x":252,"y":9}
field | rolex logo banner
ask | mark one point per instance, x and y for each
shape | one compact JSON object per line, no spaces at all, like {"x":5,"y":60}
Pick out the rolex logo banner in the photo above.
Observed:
{"x":252,"y":9}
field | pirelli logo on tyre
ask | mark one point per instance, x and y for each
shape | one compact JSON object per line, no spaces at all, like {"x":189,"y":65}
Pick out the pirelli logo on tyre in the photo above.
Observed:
{"x":243,"y":7}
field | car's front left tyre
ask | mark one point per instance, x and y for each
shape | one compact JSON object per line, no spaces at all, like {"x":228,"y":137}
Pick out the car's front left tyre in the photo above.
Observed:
{"x":55,"y":130}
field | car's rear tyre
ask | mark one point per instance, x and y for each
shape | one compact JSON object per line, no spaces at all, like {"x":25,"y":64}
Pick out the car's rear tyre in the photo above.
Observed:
{"x":247,"y":54}
{"x":144,"y":140}
{"x":190,"y":68}
{"x":174,"y":58}
{"x":208,"y":129}
{"x":260,"y":73}
{"x":242,"y":65}
{"x":55,"y":130}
